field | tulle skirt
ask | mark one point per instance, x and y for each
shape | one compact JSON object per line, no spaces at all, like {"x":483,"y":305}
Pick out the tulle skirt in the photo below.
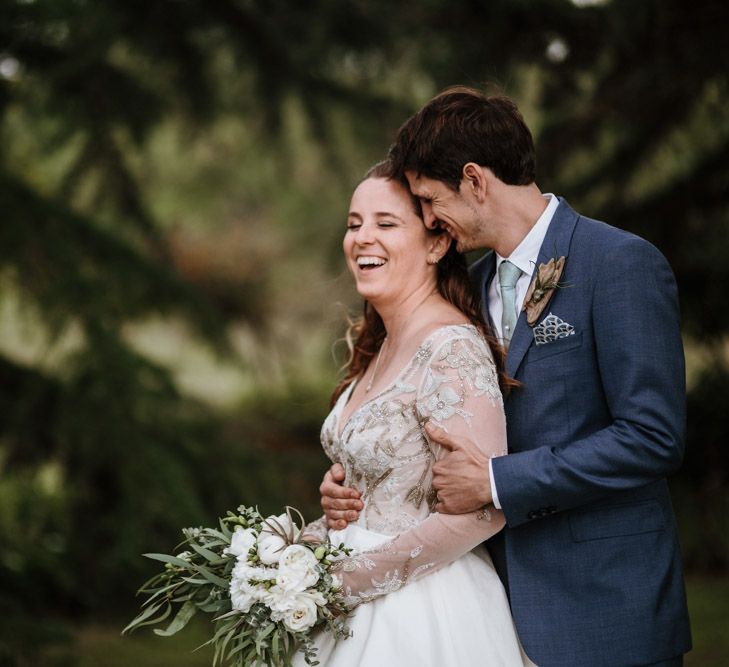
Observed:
{"x":458,"y":616}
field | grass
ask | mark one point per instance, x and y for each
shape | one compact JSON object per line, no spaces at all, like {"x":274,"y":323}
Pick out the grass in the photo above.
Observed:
{"x":100,"y":645}
{"x":708,"y":600}
{"x":103,"y":646}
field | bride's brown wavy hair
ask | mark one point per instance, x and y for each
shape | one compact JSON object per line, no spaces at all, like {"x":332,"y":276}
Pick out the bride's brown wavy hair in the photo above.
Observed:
{"x":365,"y":335}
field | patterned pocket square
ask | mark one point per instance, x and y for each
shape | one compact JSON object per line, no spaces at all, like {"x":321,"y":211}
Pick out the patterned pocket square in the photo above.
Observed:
{"x":552,"y":328}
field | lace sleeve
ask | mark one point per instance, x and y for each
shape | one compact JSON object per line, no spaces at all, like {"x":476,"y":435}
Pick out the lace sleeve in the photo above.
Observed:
{"x":459,"y":390}
{"x":315,"y":531}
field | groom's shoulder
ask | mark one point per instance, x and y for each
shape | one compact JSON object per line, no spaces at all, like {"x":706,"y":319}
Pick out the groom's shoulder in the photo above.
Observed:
{"x":598,"y":236}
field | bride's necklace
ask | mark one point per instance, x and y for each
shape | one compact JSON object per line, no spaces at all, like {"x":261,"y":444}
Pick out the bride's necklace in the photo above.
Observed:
{"x":384,"y":342}
{"x":377,"y":363}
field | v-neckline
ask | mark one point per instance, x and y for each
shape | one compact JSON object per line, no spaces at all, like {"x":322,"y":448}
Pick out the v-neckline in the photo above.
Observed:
{"x":341,"y":426}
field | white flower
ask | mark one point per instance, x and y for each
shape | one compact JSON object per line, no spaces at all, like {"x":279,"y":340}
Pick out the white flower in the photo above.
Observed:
{"x":281,"y":522}
{"x":278,"y":600}
{"x":243,"y":593}
{"x":302,"y":616}
{"x":297,"y":568}
{"x":297,"y":610}
{"x":240,"y":542}
{"x":432,"y":381}
{"x":270,"y":543}
{"x":270,"y":548}
{"x":440,"y":405}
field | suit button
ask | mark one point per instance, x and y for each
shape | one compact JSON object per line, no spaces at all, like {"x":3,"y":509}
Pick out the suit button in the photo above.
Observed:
{"x":532,"y":515}
{"x":551,"y":509}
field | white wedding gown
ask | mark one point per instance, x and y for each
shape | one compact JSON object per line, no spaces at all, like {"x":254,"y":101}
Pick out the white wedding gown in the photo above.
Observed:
{"x":427,"y":593}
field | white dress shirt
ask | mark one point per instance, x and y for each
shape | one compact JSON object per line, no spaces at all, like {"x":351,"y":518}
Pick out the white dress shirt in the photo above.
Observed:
{"x":525,"y":257}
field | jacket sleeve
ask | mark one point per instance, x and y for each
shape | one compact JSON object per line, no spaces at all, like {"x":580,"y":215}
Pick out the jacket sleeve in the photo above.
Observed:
{"x":640,"y":362}
{"x":460,"y":392}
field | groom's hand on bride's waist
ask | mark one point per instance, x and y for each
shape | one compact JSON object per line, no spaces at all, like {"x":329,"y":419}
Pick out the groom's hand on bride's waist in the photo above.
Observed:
{"x":340,"y":503}
{"x":461,"y":476}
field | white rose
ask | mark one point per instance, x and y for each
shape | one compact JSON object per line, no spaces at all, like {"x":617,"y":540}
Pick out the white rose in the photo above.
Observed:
{"x":297,"y":568}
{"x":240,"y":542}
{"x":297,"y":610}
{"x":303,"y":612}
{"x":243,"y":593}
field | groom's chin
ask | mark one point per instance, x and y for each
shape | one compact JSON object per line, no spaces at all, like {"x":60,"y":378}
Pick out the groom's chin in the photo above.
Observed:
{"x":464,"y":246}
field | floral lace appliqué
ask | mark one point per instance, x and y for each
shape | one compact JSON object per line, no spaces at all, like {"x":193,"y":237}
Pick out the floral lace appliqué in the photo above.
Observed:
{"x":387,"y":457}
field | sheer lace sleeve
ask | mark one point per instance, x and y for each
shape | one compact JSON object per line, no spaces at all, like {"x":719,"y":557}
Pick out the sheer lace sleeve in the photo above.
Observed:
{"x":315,"y":531}
{"x":459,"y":390}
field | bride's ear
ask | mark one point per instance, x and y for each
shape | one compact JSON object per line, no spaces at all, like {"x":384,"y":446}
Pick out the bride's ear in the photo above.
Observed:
{"x":439,"y":245}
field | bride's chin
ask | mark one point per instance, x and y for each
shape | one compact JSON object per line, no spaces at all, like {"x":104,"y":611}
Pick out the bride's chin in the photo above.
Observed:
{"x":365,"y":290}
{"x":373,"y":296}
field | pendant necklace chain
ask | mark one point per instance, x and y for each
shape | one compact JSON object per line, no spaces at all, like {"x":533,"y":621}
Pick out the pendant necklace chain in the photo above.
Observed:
{"x":377,"y":363}
{"x":384,"y":342}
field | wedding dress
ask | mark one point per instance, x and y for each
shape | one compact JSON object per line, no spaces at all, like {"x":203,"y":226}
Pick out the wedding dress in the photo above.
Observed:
{"x":426,"y":592}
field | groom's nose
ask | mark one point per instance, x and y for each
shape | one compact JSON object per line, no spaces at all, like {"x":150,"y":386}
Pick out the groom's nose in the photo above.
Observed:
{"x":431,"y":222}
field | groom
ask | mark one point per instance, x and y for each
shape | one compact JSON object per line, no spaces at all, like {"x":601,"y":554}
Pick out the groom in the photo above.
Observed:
{"x":590,"y":556}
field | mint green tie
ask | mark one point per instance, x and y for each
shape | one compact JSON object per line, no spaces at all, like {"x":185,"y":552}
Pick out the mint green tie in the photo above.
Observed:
{"x":508,"y":276}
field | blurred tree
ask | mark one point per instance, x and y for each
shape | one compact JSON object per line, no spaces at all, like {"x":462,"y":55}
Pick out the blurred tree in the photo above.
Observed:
{"x":101,"y":457}
{"x":636,"y":132}
{"x":628,"y":100}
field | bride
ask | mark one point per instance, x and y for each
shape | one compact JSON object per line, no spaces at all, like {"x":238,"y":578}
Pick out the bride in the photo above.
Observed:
{"x":424,"y":592}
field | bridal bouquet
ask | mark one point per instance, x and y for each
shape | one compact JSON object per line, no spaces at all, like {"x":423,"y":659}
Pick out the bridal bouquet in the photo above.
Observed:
{"x":266,"y":588}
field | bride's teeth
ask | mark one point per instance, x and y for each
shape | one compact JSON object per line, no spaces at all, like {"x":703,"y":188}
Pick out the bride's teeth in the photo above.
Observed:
{"x":370,"y":261}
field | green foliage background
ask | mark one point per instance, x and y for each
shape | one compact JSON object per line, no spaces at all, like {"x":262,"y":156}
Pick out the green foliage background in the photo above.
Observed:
{"x":173,"y":181}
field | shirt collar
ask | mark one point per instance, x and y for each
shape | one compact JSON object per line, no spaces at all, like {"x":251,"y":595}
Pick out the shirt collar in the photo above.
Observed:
{"x":525,"y":254}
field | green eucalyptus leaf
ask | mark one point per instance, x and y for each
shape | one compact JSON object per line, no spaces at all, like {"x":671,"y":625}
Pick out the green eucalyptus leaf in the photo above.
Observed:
{"x":210,"y":556}
{"x":186,"y":612}
{"x":260,"y":647}
{"x":222,"y":583}
{"x":149,"y":611}
{"x":226,"y":640}
{"x":165,"y":558}
{"x":275,"y":645}
{"x":159,"y":592}
{"x":198,"y":582}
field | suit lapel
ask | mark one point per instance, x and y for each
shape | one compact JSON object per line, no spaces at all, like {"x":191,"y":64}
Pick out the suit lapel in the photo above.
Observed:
{"x":556,"y":244}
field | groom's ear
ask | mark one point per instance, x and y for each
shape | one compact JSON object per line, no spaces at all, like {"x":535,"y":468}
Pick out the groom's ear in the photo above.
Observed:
{"x":475,"y":180}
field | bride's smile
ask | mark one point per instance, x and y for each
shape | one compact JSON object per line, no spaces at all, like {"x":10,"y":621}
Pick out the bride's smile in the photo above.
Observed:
{"x":387,"y":245}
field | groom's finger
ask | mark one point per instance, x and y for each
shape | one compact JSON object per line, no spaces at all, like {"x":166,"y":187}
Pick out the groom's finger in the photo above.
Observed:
{"x":338,"y":519}
{"x":331,"y":489}
{"x":341,"y":504}
{"x":337,"y":472}
{"x":442,"y":437}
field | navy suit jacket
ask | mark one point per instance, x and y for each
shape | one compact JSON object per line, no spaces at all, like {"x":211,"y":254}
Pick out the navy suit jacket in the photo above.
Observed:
{"x":590,"y":556}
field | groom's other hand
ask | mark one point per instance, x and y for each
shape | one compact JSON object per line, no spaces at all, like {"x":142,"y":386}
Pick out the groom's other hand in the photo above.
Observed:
{"x":461,"y":477}
{"x":340,"y":503}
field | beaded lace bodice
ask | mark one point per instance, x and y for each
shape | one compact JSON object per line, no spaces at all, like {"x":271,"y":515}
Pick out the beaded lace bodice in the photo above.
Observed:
{"x":387,"y":456}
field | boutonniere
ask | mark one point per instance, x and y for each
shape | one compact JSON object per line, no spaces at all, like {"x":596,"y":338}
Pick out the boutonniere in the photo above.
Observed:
{"x":546,"y":280}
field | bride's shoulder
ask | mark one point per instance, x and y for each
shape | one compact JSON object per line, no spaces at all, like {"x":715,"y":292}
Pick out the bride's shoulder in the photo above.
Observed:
{"x":460,"y":335}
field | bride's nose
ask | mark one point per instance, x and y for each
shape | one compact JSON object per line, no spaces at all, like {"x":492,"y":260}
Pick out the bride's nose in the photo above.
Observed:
{"x":365,"y":234}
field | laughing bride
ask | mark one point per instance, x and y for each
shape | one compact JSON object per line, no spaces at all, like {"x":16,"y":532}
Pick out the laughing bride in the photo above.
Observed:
{"x":424,"y":592}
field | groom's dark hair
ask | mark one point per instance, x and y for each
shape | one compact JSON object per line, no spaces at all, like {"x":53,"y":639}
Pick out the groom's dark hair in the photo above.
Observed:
{"x":462,"y":125}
